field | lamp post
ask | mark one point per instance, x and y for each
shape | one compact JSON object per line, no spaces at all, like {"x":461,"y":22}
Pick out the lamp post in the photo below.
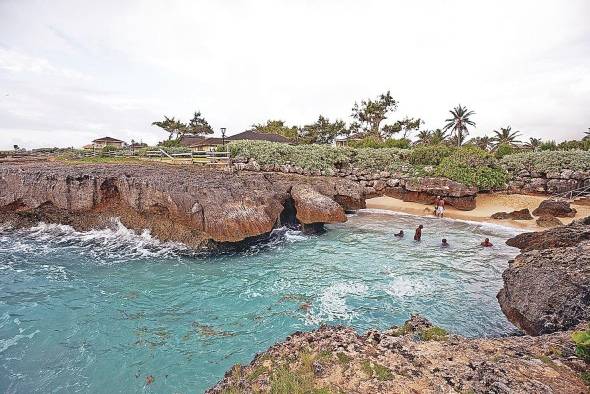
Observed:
{"x":223,"y":136}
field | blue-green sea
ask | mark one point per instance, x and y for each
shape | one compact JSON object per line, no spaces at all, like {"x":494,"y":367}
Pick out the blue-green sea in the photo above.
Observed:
{"x":100,"y":311}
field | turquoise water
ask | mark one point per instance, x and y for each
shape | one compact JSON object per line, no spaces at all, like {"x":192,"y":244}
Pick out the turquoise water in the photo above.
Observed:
{"x":100,"y":311}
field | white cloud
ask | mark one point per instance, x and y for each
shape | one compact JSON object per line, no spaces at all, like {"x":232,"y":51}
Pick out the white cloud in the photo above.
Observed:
{"x":122,"y":65}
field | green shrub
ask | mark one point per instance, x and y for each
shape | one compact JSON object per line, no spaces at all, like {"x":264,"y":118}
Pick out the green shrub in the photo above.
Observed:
{"x":434,"y":333}
{"x":582,"y":341}
{"x":170,"y":143}
{"x":504,"y":150}
{"x":473,"y":166}
{"x":429,"y":154}
{"x":547,"y":161}
{"x":371,"y":142}
{"x":385,"y":159}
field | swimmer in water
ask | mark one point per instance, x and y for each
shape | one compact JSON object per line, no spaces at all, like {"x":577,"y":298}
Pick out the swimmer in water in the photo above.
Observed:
{"x":400,"y":234}
{"x":486,"y":243}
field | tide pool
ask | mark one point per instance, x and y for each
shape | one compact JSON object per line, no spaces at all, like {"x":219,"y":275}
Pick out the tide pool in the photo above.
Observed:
{"x":100,"y":311}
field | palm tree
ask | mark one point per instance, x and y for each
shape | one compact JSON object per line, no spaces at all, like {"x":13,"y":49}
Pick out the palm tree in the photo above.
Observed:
{"x":459,"y":122}
{"x":438,"y":136}
{"x":424,"y":137}
{"x":505,"y":137}
{"x":533,"y":144}
{"x":484,"y":142}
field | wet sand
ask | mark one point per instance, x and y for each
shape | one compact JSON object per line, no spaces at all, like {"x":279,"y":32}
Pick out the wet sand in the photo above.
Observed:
{"x":486,"y":205}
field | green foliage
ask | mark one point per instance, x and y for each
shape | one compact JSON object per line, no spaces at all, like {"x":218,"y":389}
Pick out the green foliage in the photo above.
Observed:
{"x":372,"y":369}
{"x":277,"y":127}
{"x":323,"y":131}
{"x":221,"y":148}
{"x":172,"y":127}
{"x":473,"y":167}
{"x":369,"y":114}
{"x":458,"y":123}
{"x":170,"y":143}
{"x":548,"y":145}
{"x":429,"y":154}
{"x":198,"y":125}
{"x":574,"y":145}
{"x":504,"y":150}
{"x":434,"y":333}
{"x":109,"y":148}
{"x":582,"y":341}
{"x":547,"y":161}
{"x":375,"y":143}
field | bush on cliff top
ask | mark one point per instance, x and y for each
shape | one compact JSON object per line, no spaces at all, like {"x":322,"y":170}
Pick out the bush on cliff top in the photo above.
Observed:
{"x":473,"y":167}
{"x":547,"y":161}
{"x":429,"y":154}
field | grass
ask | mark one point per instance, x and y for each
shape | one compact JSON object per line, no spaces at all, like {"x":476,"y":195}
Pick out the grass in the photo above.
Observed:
{"x":376,"y":370}
{"x":434,"y":334}
{"x":585,"y":377}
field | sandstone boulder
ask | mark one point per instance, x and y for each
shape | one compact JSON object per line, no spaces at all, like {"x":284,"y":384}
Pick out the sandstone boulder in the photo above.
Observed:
{"x":555,"y":207}
{"x":314,"y":207}
{"x":574,"y":233}
{"x":548,"y":221}
{"x":548,"y":290}
{"x":522,"y":214}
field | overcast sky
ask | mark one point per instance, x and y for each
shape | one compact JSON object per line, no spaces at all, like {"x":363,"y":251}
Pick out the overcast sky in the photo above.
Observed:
{"x":72,"y":71}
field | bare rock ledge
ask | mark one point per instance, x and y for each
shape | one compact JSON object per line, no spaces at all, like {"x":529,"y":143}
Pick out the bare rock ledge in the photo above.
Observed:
{"x":194,"y":206}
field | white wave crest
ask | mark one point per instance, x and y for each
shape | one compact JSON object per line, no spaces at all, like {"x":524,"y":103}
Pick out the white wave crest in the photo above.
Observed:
{"x":332,"y":303}
{"x":117,"y":241}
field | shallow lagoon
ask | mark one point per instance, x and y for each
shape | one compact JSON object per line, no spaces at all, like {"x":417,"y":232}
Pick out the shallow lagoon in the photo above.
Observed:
{"x":99,"y":311}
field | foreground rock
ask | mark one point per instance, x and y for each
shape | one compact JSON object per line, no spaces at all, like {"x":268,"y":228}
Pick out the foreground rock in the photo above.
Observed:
{"x":522,"y":214}
{"x":556,"y":208}
{"x":414,"y":358}
{"x":547,"y":287}
{"x":425,"y":191}
{"x":191,"y":205}
{"x":314,"y":209}
{"x":548,"y":221}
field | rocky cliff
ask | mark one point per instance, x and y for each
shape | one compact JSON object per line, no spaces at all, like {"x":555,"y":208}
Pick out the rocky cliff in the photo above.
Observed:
{"x":194,"y":206}
{"x":413,"y":358}
{"x":547,"y":287}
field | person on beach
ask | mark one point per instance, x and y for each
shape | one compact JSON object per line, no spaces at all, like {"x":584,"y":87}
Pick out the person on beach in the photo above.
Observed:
{"x":444,"y":243}
{"x":400,"y":234}
{"x":486,"y":243}
{"x":440,"y":207}
{"x":436,"y":200}
{"x":418,"y":233}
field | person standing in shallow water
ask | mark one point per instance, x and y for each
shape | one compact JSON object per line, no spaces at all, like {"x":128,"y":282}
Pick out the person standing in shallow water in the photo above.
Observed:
{"x":418,"y":233}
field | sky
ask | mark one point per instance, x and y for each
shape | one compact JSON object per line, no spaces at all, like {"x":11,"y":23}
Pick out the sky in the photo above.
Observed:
{"x":73,"y":71}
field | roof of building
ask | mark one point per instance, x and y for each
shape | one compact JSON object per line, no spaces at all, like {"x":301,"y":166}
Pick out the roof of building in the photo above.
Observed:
{"x":257,"y":136}
{"x":108,"y":139}
{"x":189,"y":140}
{"x":208,"y":141}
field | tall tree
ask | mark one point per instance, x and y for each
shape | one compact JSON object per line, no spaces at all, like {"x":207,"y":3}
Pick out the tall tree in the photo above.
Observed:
{"x":587,"y":136}
{"x":533,"y":144}
{"x":459,"y":122}
{"x":172,"y":127}
{"x":484,"y":142}
{"x":198,"y":125}
{"x":505,"y":136}
{"x":424,"y":137}
{"x":277,"y":127}
{"x":439,"y":137}
{"x":407,"y":125}
{"x":323,"y":131}
{"x":369,"y":114}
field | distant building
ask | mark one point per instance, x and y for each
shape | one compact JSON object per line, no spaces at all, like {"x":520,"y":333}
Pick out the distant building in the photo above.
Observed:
{"x":252,"y":135}
{"x":343,"y":141}
{"x":100,"y":143}
{"x":207,"y":144}
{"x":137,"y":145}
{"x":199,"y":143}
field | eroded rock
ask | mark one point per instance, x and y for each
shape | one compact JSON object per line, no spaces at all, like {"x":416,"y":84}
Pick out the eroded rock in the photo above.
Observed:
{"x":555,"y":207}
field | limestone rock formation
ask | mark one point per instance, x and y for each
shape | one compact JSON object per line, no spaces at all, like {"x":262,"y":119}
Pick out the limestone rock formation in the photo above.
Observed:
{"x":548,"y":221}
{"x":313,"y":207}
{"x":522,"y":214}
{"x":413,"y":358}
{"x":570,"y":235}
{"x":555,"y":207}
{"x":547,"y":287}
{"x":191,"y":205}
{"x":425,"y":190}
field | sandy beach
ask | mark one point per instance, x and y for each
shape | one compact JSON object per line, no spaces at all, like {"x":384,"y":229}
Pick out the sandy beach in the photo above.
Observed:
{"x":486,"y":205}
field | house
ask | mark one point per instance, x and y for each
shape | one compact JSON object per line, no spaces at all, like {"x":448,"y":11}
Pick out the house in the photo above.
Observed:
{"x":190,"y":140}
{"x":343,"y":141}
{"x":251,"y":135}
{"x":100,"y":143}
{"x":207,"y":144}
